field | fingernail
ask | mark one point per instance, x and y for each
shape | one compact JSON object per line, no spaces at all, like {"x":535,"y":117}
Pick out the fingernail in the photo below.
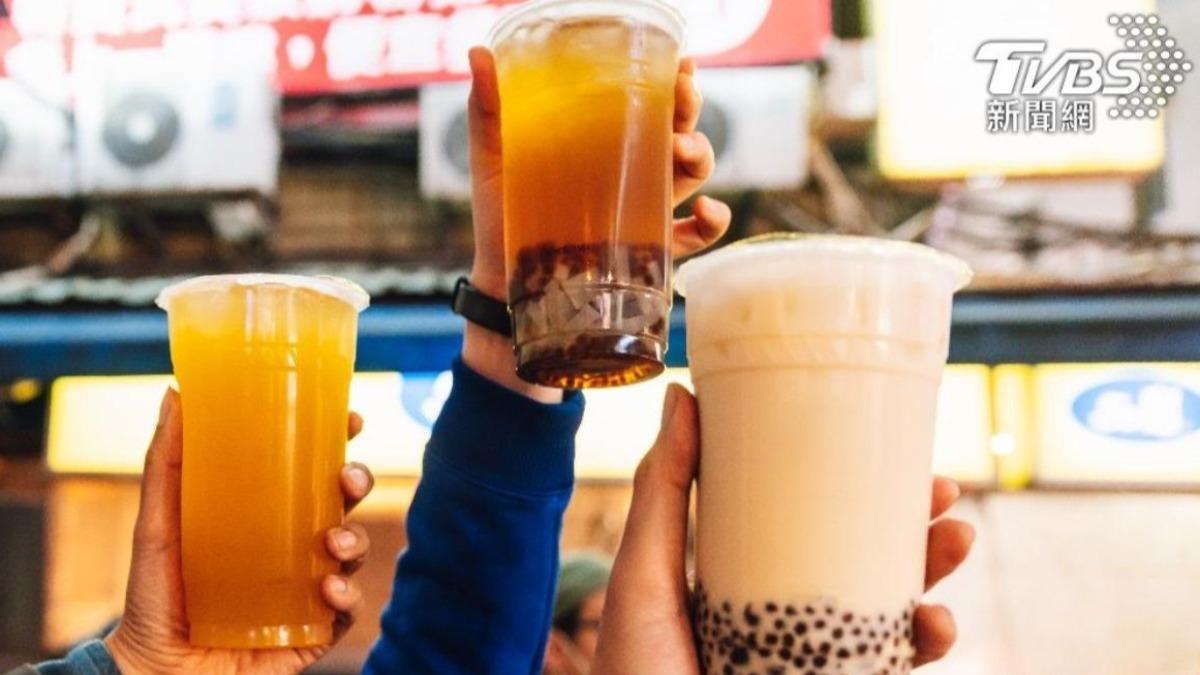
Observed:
{"x":359,"y":479}
{"x":339,"y":585}
{"x":345,"y":539}
{"x":686,"y":143}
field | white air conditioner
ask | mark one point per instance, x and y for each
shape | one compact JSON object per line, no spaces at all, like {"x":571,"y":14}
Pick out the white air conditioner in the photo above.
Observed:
{"x":444,"y":158}
{"x":148,"y":123}
{"x":756,"y":118}
{"x":36,"y":159}
{"x":757,"y":121}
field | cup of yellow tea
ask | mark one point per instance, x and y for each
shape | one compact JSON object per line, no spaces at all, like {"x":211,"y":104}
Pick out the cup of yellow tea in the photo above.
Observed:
{"x":264,"y":364}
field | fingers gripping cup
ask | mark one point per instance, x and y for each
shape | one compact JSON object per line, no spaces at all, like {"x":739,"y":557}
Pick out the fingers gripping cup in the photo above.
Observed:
{"x":587,"y":106}
{"x":264,"y":365}
{"x":816,"y":362}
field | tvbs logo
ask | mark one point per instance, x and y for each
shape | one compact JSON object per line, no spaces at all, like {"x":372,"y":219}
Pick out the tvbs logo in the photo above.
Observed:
{"x":1033,"y":90}
{"x":1019,"y":68}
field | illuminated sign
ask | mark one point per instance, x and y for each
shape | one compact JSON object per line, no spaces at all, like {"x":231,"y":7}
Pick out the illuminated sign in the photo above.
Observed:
{"x":1118,"y":423}
{"x":102,"y":425}
{"x":318,"y":46}
{"x":938,"y":121}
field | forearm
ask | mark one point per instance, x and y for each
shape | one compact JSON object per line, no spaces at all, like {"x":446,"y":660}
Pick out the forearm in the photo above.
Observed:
{"x":473,"y":591}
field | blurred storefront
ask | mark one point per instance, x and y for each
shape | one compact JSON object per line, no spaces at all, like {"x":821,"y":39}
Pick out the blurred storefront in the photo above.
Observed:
{"x":143,"y":142}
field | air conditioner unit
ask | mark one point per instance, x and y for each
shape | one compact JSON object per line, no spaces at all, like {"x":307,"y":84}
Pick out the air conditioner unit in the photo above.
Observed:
{"x":148,"y":123}
{"x":36,"y":159}
{"x":444,"y":157}
{"x":757,"y":121}
{"x":756,"y":118}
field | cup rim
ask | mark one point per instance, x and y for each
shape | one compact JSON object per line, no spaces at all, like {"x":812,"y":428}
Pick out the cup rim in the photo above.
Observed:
{"x":514,"y":16}
{"x":334,"y":287}
{"x":960,"y":273}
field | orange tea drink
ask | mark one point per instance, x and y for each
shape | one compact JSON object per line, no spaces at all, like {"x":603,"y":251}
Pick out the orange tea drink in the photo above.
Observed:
{"x":587,"y":96}
{"x":264,"y":365}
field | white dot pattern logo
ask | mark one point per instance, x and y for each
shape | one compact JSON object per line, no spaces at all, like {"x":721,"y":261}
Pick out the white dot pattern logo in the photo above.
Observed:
{"x":1162,"y":63}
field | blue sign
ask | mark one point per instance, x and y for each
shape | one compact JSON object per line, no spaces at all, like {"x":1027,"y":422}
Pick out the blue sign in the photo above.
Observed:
{"x":424,"y":394}
{"x":1141,"y":408}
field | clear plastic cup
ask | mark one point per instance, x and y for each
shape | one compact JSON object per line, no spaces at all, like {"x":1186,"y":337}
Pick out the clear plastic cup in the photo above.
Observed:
{"x":264,"y":365}
{"x":816,"y":362}
{"x":587,"y":106}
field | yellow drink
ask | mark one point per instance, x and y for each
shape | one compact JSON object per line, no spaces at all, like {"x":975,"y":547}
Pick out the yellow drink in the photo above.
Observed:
{"x":264,"y":366}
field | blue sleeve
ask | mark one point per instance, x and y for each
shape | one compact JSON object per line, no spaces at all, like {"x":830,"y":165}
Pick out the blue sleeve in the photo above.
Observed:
{"x":89,"y":658}
{"x":474,"y":591}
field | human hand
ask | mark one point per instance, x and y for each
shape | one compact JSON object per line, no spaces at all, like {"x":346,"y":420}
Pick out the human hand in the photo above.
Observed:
{"x":491,"y":355}
{"x":647,"y":624}
{"x":152,"y":636}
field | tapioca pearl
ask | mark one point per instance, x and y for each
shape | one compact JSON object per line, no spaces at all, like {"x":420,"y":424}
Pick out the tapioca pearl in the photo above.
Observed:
{"x":820,"y":661}
{"x":739,"y":656}
{"x":861,"y":649}
{"x":837,"y":633}
{"x":856,"y":632}
{"x":829,"y":611}
{"x":764,"y":652}
{"x":810,"y":611}
{"x":728,"y":669}
{"x":819,"y":625}
{"x":779,"y":624}
{"x":800,"y":628}
{"x":785,"y":654}
{"x":771,"y":639}
{"x":843,"y":653}
{"x":750,"y":617}
{"x":847,"y":617}
{"x":878,"y":649}
{"x":871,"y":634}
{"x":790,"y":610}
{"x":772,"y":608}
{"x":825,"y":647}
{"x":789,"y":640}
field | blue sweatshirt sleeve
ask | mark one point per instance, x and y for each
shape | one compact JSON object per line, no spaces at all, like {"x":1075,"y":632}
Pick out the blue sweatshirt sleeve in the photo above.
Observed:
{"x":89,"y":658}
{"x":474,"y":590}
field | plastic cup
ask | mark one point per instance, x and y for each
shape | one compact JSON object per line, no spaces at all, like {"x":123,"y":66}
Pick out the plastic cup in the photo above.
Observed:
{"x":587,"y":95}
{"x":264,"y":365}
{"x":816,"y":362}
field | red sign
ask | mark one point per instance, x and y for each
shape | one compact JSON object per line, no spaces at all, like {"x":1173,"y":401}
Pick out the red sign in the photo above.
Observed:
{"x":320,"y":46}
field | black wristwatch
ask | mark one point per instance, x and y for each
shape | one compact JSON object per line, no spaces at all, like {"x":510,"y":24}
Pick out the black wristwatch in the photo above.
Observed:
{"x":471,"y":304}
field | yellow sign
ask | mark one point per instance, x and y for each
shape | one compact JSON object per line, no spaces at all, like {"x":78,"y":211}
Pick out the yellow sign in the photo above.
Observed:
{"x":102,"y":425}
{"x":1118,"y":423}
{"x":940,"y":117}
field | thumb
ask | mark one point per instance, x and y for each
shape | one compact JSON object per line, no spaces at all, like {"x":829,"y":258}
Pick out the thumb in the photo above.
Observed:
{"x":650,"y":565}
{"x":158,"y":521}
{"x":483,"y":115}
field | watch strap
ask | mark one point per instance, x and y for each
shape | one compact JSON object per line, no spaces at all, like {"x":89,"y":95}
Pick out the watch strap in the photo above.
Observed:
{"x":481,"y":309}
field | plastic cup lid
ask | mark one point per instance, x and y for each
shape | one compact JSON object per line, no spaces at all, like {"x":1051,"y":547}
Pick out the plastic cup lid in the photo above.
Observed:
{"x":347,"y":291}
{"x":787,"y":245}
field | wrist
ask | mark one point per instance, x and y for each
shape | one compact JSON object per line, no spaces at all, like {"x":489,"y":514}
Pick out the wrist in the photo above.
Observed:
{"x":122,"y":655}
{"x":491,"y":355}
